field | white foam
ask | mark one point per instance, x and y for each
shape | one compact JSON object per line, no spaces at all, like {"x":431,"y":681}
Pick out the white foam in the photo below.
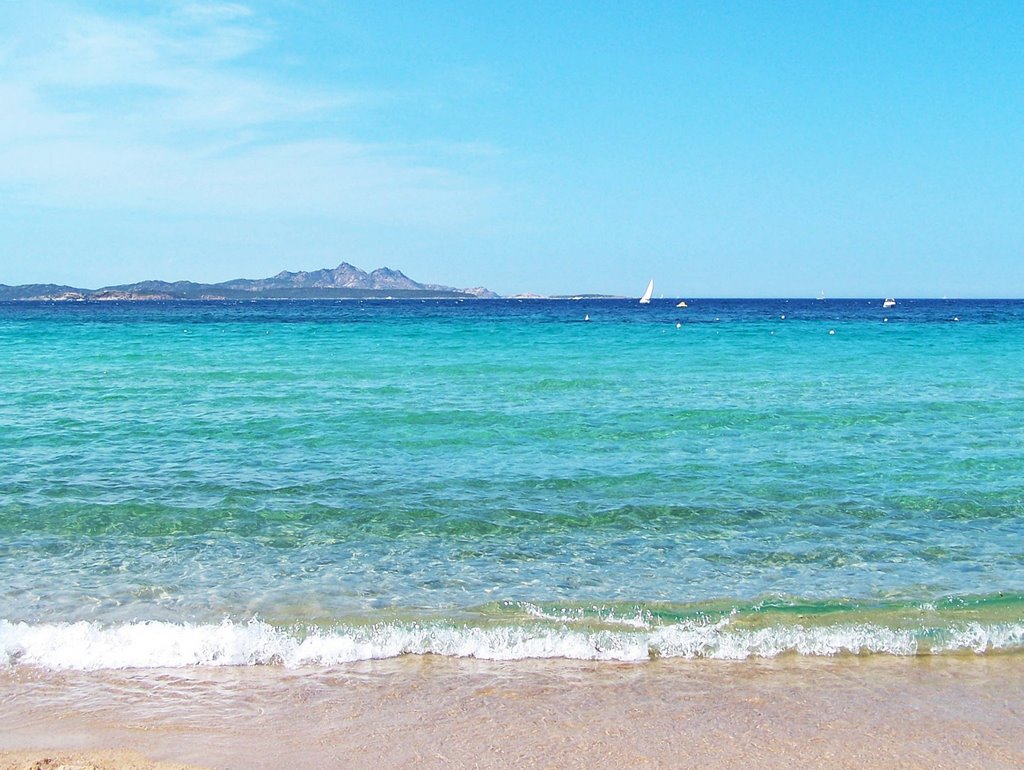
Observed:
{"x":154,"y":644}
{"x":981,"y":638}
{"x":694,"y":641}
{"x":144,"y":644}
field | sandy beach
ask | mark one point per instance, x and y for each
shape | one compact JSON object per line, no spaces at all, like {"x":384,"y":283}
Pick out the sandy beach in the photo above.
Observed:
{"x":82,"y":760}
{"x":942,"y":712}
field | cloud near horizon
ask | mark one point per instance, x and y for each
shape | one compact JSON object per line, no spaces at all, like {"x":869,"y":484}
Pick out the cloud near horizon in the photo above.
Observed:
{"x":168,"y":112}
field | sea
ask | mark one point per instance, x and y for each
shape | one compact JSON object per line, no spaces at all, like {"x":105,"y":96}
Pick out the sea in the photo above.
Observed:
{"x":312,"y":483}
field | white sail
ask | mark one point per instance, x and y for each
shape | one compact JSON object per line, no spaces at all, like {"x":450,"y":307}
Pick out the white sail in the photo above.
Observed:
{"x":646,"y":299}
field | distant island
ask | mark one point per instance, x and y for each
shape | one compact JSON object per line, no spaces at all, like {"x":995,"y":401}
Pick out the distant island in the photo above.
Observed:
{"x":343,"y":282}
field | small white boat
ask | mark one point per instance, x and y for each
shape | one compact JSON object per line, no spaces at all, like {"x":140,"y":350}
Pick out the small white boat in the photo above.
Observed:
{"x":646,"y":299}
{"x":682,"y":303}
{"x":889,"y":302}
{"x":821,"y":295}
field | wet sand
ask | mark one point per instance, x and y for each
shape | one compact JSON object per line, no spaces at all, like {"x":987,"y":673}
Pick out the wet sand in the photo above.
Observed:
{"x":928,"y":712}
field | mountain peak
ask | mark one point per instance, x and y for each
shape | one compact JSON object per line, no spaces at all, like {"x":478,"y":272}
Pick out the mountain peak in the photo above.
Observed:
{"x":386,"y":278}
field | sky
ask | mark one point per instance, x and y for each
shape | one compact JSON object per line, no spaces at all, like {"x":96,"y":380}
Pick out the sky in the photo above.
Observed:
{"x":741,"y":149}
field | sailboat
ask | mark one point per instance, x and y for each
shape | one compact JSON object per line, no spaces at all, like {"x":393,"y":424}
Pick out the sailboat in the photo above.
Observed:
{"x":646,"y":299}
{"x":821,"y":295}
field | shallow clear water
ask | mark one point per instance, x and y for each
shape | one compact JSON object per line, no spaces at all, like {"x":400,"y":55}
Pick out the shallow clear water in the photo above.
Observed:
{"x":500,"y":478}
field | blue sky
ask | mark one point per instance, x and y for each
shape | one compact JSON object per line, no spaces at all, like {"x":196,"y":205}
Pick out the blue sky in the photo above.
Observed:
{"x":736,"y":149}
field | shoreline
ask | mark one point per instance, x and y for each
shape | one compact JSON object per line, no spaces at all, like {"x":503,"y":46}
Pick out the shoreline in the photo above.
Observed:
{"x":428,"y":711}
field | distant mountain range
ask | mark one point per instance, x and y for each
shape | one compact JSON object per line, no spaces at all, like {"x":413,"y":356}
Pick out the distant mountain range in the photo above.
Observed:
{"x":343,"y":282}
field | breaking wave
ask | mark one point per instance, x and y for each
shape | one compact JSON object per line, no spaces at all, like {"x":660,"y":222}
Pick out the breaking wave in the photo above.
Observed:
{"x":157,"y":644}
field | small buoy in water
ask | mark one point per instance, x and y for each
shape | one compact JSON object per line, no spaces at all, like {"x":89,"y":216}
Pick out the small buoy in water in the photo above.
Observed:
{"x":831,"y":331}
{"x":885,"y":320}
{"x":956,"y":318}
{"x":783,"y":316}
{"x":679,"y":325}
{"x":586,"y":317}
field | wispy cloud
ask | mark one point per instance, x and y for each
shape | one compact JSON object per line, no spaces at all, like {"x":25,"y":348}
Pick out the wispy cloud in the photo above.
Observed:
{"x":171,"y":112}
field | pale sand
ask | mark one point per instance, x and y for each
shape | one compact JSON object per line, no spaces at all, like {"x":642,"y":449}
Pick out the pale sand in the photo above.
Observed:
{"x":79,"y":760}
{"x":941,"y":712}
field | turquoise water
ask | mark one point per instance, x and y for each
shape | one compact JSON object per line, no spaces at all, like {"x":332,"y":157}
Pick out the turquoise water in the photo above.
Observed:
{"x":314,"y":482}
